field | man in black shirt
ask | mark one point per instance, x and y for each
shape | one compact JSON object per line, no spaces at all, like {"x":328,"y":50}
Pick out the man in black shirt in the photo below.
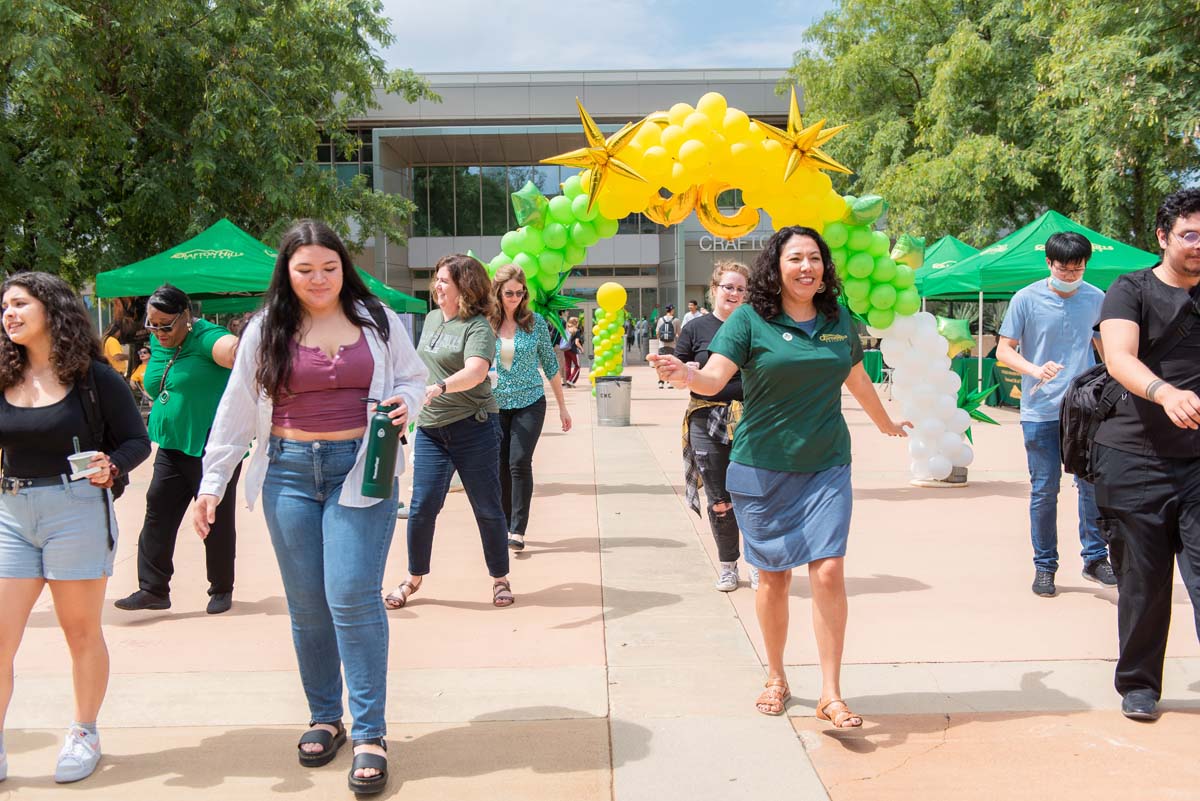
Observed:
{"x":1147,"y":453}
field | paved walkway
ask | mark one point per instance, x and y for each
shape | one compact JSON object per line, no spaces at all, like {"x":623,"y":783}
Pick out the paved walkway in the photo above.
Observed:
{"x":621,"y":674}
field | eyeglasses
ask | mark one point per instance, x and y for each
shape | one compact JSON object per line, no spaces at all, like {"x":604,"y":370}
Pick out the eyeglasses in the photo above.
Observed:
{"x":166,"y":329}
{"x":1190,"y":238}
{"x":510,"y":293}
{"x":733,"y":289}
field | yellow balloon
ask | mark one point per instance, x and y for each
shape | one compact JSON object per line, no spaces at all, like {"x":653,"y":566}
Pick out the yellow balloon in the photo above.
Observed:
{"x":611,"y":296}
{"x":679,"y":113}
{"x":656,"y":164}
{"x":832,"y":207}
{"x":713,"y":105}
{"x":648,"y":135}
{"x":693,"y":155}
{"x":736,"y":124}
{"x":697,"y":126}
{"x":679,"y":180}
{"x":673,"y":136}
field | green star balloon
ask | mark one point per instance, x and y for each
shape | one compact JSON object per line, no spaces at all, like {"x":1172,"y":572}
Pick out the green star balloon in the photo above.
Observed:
{"x":530,"y":205}
{"x":867,"y":209}
{"x":909,"y":250}
{"x":957,"y":333}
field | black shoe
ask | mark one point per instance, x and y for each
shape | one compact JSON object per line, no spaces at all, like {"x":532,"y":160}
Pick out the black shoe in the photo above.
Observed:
{"x":516,"y":542}
{"x":660,"y":385}
{"x":1140,"y":705}
{"x":1100,"y":572}
{"x":1043,"y":584}
{"x":143,"y":600}
{"x":375,"y":784}
{"x":220,"y":602}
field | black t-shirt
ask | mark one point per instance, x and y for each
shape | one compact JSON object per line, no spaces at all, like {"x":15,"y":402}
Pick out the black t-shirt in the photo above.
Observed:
{"x":692,"y":346}
{"x":1137,"y":425}
{"x":36,"y":441}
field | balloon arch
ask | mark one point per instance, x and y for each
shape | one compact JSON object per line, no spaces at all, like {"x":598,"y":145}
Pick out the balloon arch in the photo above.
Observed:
{"x":674,"y":162}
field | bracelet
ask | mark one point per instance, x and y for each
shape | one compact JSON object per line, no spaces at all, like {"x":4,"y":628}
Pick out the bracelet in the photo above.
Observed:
{"x":1153,"y":387}
{"x":691,"y":370}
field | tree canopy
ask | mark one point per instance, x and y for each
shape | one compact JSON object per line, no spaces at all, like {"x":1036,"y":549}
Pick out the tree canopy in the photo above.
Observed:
{"x":973,"y":116}
{"x":127,"y":126}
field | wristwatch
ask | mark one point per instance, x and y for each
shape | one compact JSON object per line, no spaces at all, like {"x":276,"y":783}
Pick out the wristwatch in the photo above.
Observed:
{"x":442,"y":386}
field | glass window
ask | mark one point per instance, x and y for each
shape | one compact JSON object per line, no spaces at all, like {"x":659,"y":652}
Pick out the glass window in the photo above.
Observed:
{"x":346,"y":173}
{"x":441,"y":201}
{"x":367,"y":153}
{"x":625,"y":271}
{"x":494,"y":192}
{"x":629,"y":224}
{"x":649,"y":297}
{"x":324,"y":153}
{"x":420,"y":196}
{"x":466,"y":201}
{"x":730,"y":200}
{"x":545,"y":177}
{"x":649,"y":271}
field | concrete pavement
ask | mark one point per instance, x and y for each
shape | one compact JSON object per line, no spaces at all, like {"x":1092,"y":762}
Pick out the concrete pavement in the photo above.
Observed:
{"x":620,"y":673}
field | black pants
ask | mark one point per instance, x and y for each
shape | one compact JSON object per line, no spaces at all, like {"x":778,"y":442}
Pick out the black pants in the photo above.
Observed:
{"x":1149,"y":515}
{"x":175,"y":483}
{"x":519,"y":433}
{"x":713,"y":459}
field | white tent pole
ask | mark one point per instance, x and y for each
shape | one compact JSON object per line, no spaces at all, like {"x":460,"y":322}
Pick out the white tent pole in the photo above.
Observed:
{"x":979,"y":377}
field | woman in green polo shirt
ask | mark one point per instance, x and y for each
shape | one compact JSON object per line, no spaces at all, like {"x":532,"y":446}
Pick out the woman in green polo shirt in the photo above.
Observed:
{"x":186,"y":375}
{"x":789,"y":475}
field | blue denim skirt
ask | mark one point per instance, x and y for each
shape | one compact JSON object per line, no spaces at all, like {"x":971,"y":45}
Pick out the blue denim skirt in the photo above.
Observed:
{"x":791,"y":519}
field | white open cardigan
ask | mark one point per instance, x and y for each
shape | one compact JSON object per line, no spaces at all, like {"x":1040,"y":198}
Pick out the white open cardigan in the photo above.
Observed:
{"x":244,"y":413}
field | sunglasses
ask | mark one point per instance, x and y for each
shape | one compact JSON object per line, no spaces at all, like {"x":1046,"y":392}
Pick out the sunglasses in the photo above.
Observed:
{"x":509,"y":293}
{"x":165,"y":328}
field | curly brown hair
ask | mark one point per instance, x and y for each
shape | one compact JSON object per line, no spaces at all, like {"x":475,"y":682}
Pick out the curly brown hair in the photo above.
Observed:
{"x":522,"y":316}
{"x":471,"y":280}
{"x":73,"y":341}
{"x":766,"y":285}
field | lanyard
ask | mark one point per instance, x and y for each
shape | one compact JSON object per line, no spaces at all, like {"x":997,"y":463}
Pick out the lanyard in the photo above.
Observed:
{"x":164,"y":395}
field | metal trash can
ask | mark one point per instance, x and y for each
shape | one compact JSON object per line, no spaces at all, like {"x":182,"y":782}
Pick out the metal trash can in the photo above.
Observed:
{"x":613,"y":396}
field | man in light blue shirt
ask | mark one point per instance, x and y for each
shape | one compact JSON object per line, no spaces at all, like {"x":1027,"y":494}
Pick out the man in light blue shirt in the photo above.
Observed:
{"x":1052,"y":324}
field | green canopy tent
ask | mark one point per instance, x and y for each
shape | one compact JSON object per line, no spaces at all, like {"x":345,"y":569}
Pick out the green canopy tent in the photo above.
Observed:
{"x":946,"y":252}
{"x":224,"y":268}
{"x":1019,"y":259}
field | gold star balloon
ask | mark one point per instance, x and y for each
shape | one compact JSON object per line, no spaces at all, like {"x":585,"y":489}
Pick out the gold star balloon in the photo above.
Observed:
{"x":804,"y":144}
{"x":600,"y":154}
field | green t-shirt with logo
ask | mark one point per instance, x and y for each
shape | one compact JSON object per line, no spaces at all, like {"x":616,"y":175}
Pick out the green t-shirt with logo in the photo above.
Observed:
{"x":182,"y":412}
{"x":792,"y":384}
{"x":445,"y":347}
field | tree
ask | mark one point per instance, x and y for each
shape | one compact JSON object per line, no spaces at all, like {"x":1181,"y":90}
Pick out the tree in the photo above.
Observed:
{"x":127,"y":126}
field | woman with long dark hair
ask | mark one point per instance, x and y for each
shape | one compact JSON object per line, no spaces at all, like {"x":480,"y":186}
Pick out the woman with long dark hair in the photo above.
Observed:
{"x":789,"y":476}
{"x":522,"y":345}
{"x":58,"y":396}
{"x":459,"y":428}
{"x":189,"y":366}
{"x":307,"y":365}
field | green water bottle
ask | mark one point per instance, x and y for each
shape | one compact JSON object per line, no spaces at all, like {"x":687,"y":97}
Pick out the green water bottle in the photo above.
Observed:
{"x":383,"y":444}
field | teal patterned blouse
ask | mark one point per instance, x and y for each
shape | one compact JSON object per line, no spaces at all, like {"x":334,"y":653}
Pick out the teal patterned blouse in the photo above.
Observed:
{"x":522,"y":385}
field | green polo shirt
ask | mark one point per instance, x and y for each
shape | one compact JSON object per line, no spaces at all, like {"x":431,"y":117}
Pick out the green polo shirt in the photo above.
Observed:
{"x":792,"y":384}
{"x":445,"y":347}
{"x":180,"y":419}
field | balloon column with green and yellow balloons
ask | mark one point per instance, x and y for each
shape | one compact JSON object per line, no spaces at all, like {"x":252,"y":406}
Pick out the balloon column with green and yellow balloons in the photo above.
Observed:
{"x":608,"y":332}
{"x":682,"y":160}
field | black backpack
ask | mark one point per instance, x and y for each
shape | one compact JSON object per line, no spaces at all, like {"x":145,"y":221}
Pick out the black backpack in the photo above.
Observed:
{"x":666,"y":331}
{"x":1093,"y":395}
{"x":101,"y":435}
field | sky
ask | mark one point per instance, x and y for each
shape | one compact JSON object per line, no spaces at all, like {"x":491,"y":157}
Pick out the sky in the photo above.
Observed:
{"x":494,"y":35}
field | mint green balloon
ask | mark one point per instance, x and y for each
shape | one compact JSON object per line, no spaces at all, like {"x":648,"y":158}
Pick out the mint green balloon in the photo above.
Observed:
{"x":905,"y":277}
{"x":885,"y":270}
{"x":860,"y":265}
{"x":499,"y":261}
{"x":550,"y":262}
{"x":858,"y":306}
{"x":880,"y":318}
{"x":560,"y":210}
{"x":605,"y":227}
{"x":555,"y":235}
{"x":512,"y":243}
{"x":527,"y":263}
{"x":840,"y":256}
{"x":573,"y":254}
{"x":572,"y":187}
{"x":533,"y":241}
{"x":583,"y":234}
{"x":857,"y":288}
{"x":859,"y":239}
{"x":579,"y":206}
{"x":908,"y":301}
{"x":880,"y":244}
{"x":883,"y":296}
{"x":835,"y":235}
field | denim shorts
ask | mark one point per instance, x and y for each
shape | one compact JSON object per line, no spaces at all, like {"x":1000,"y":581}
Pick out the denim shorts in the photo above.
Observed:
{"x":56,"y":533}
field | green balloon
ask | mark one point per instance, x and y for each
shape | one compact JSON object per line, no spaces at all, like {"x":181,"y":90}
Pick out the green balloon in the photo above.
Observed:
{"x":857,"y":288}
{"x":905,"y":277}
{"x":574,"y":254}
{"x":511,"y":243}
{"x":840,"y":256}
{"x":605,"y":227}
{"x":527,"y":263}
{"x":859,"y":239}
{"x":860,"y":265}
{"x":560,"y":210}
{"x":880,"y":318}
{"x":583,"y":234}
{"x":533,"y":241}
{"x":835,"y":235}
{"x":530,"y":205}
{"x":572,"y":187}
{"x":858,"y":306}
{"x":883,"y":296}
{"x":908,"y":301}
{"x":880,"y":244}
{"x":579,"y":206}
{"x":555,"y":235}
{"x":500,"y":260}
{"x":848,"y":214}
{"x":547,"y":281}
{"x":550,"y":261}
{"x":885,"y":270}
{"x":868,"y":208}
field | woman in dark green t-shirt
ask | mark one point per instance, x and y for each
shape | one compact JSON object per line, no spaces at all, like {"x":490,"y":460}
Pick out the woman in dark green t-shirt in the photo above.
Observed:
{"x":789,"y":476}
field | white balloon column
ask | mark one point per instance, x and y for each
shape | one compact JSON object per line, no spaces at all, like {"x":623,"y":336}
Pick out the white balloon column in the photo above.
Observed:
{"x":927,"y":390}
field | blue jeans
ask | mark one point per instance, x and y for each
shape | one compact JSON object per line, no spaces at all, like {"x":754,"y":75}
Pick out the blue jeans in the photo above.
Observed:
{"x":472,"y":447}
{"x":1042,"y":450}
{"x":331,"y":558}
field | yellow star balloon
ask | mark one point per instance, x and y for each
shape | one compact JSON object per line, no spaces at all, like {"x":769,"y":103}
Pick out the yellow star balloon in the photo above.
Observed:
{"x":600,"y":154}
{"x":804,"y":144}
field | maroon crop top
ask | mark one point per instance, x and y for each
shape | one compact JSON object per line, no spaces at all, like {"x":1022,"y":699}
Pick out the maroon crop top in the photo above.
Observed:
{"x":326,"y":394}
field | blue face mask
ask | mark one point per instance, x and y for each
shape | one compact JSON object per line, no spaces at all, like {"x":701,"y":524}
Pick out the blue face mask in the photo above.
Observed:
{"x":1065,"y":286}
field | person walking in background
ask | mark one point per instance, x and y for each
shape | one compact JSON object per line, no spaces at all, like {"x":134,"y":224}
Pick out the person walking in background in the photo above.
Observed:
{"x":692,"y":313}
{"x":189,"y":366}
{"x":459,"y":428}
{"x":321,"y":345}
{"x":60,"y":397}
{"x":1052,"y":323}
{"x":1147,"y":452}
{"x":522,"y":344}
{"x":666,"y":331}
{"x":138,"y":379}
{"x":574,"y":342}
{"x":789,"y":475}
{"x":113,"y":345}
{"x":709,"y":423}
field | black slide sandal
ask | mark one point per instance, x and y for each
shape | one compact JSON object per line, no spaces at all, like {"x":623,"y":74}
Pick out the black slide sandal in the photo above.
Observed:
{"x":329,"y":742}
{"x":375,"y":784}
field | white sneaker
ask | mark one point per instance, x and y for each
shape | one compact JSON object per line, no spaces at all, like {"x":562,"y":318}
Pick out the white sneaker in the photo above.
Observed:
{"x":3,"y":766}
{"x":79,"y":756}
{"x":753,"y":577}
{"x":727,"y":580}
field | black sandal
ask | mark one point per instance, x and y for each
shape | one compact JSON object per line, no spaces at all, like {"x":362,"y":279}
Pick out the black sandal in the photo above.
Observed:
{"x":330,"y":743}
{"x":374,"y":784}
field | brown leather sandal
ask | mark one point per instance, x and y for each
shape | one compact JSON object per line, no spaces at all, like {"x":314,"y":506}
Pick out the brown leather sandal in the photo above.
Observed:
{"x":775,"y":697}
{"x":840,"y":715}
{"x":398,"y":598}
{"x":502,"y":593}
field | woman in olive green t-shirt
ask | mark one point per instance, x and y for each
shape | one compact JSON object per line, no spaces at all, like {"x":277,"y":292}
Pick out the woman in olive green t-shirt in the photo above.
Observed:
{"x":789,"y":475}
{"x":459,"y":427}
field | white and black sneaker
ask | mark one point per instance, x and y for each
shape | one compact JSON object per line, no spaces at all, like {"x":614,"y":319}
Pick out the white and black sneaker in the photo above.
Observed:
{"x":516,"y":542}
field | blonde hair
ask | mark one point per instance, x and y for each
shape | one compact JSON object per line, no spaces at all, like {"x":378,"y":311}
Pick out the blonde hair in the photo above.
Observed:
{"x":719,"y":269}
{"x":572,"y":322}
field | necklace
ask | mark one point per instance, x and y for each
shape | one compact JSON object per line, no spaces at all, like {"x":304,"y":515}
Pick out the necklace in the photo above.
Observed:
{"x":164,"y":394}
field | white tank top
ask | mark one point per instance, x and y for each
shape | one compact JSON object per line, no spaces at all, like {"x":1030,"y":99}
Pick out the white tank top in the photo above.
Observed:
{"x":508,"y":349}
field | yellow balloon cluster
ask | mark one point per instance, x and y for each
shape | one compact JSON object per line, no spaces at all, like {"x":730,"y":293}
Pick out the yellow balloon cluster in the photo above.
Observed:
{"x":681,"y":160}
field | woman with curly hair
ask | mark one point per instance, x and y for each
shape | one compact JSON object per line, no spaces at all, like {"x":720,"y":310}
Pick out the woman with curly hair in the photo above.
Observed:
{"x":522,"y":345}
{"x":54,"y":377}
{"x":305,"y":368}
{"x":789,"y":475}
{"x":459,"y":428}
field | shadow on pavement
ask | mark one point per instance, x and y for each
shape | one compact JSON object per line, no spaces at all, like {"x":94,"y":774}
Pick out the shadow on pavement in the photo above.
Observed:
{"x":592,"y":545}
{"x":878,"y":584}
{"x":549,"y":489}
{"x":975,"y":489}
{"x":273,"y":605}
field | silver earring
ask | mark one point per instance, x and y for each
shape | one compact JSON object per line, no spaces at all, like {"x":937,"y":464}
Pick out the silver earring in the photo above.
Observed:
{"x":821,"y":287}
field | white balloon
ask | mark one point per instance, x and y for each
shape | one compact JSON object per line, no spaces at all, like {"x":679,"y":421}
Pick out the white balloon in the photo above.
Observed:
{"x":925,"y":321}
{"x":964,"y":456}
{"x":891,"y":350}
{"x":959,"y":422}
{"x":917,"y":449}
{"x":919,"y":468}
{"x":939,"y":467}
{"x":931,"y":427}
{"x":944,"y":407}
{"x":949,"y":382}
{"x":878,"y":333}
{"x":948,"y":443}
{"x":903,"y":327}
{"x":924,"y":394}
{"x":940,"y":363}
